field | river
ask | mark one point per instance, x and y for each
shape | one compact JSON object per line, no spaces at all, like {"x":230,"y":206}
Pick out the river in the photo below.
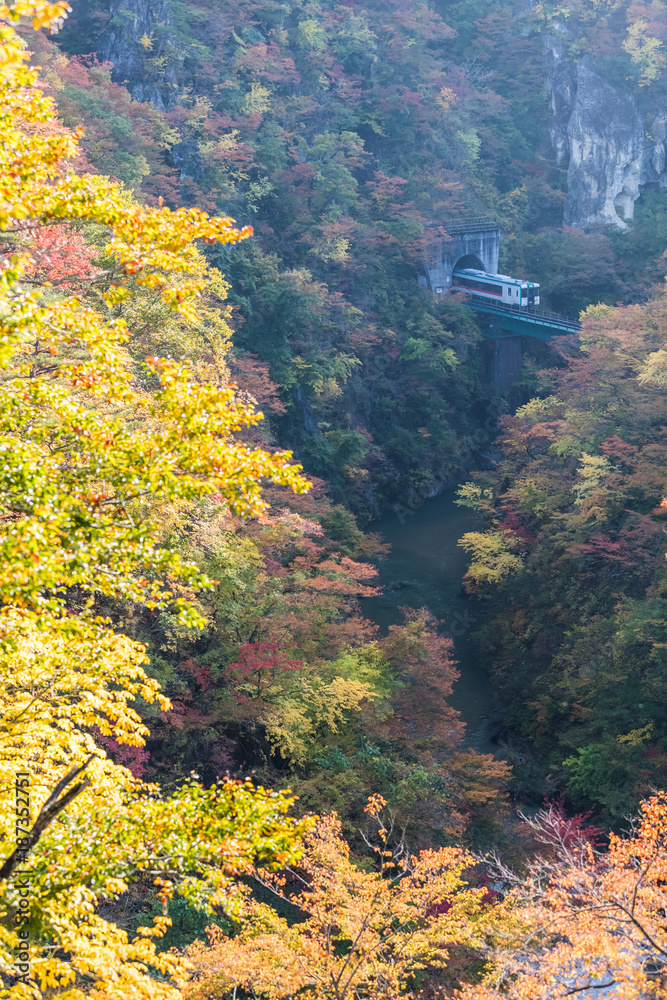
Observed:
{"x":426,"y":567}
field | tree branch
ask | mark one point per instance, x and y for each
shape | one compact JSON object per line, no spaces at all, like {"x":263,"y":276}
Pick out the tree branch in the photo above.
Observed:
{"x":54,"y":805}
{"x":591,"y":986}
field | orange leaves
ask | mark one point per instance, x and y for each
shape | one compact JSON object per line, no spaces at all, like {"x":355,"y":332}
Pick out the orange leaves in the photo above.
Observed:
{"x":165,"y":889}
{"x":361,"y":933}
{"x":588,"y":917}
{"x":374,"y":805}
{"x":59,"y":252}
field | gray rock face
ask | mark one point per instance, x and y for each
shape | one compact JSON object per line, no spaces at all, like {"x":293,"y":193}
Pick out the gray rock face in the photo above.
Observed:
{"x":562,"y":93}
{"x":186,"y":158}
{"x":599,"y":130}
{"x":605,"y":136}
{"x":148,"y":73}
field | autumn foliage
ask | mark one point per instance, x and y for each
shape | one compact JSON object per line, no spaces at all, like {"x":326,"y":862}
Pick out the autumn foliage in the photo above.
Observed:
{"x":96,"y":446}
{"x":571,"y":563}
{"x":586,"y":918}
{"x":357,"y":933}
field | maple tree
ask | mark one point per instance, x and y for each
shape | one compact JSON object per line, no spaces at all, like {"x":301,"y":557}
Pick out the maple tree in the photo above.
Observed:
{"x":341,"y":134}
{"x":572,"y":562}
{"x":584,"y":918}
{"x":359,"y":933}
{"x":296,"y":141}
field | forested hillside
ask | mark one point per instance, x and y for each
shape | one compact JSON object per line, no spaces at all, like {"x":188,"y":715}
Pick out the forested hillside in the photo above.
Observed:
{"x":340,"y":133}
{"x":220,"y":363}
{"x":573,"y":563}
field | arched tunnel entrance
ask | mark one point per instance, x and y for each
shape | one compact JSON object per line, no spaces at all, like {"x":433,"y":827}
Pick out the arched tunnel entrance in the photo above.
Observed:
{"x":472,"y":243}
{"x":470,"y":260}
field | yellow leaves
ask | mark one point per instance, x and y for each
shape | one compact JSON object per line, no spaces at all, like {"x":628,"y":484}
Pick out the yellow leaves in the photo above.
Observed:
{"x":653,"y":370}
{"x":116,"y":294}
{"x":69,"y":673}
{"x":115,"y":886}
{"x":310,"y":35}
{"x":95,"y":450}
{"x":306,"y":710}
{"x":637,"y":736}
{"x":257,"y":100}
{"x":539,"y":408}
{"x":477,"y":497}
{"x":362,"y":933}
{"x":645,"y":50}
{"x":160,"y":925}
{"x":495,"y":555}
{"x":446,"y":99}
{"x":592,"y":475}
{"x":43,"y":14}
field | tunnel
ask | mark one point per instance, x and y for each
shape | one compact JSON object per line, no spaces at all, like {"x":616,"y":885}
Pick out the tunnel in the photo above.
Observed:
{"x":468,"y":243}
{"x":470,"y":260}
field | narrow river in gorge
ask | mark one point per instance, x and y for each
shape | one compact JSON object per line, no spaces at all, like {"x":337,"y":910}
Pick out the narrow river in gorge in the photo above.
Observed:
{"x":426,"y":567}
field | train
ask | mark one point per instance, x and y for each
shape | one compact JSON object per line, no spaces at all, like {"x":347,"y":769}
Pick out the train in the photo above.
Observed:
{"x":495,"y":287}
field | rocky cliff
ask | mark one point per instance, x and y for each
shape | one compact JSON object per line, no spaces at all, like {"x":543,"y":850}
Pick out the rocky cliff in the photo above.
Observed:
{"x":599,"y":132}
{"x":139,"y":43}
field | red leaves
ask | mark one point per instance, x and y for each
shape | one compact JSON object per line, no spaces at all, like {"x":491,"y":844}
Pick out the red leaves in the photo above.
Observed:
{"x":422,"y":659}
{"x":616,"y":448}
{"x":200,"y":672}
{"x":265,"y":61}
{"x":511,"y":524}
{"x":261,"y":663}
{"x":58,"y":252}
{"x":605,"y":548}
{"x":253,"y":378}
{"x":133,"y":758}
{"x":566,"y":833}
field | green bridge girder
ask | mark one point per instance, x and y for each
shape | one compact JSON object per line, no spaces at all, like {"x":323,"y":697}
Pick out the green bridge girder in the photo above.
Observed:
{"x":508,"y":321}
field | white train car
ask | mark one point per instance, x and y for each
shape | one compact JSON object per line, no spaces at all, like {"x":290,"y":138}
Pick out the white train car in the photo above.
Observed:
{"x":495,"y":287}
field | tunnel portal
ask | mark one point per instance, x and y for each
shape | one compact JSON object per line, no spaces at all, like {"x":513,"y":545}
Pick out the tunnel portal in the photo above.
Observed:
{"x":470,"y":260}
{"x":460,"y":242}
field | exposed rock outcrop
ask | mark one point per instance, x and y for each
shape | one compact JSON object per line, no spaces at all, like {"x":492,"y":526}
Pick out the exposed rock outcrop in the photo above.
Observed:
{"x":598,"y":130}
{"x":562,"y":94}
{"x":605,"y":137}
{"x":186,"y":158}
{"x":139,"y":44}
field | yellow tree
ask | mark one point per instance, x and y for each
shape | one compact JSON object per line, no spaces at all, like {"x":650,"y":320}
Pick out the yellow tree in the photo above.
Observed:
{"x":96,"y":445}
{"x":358,"y":934}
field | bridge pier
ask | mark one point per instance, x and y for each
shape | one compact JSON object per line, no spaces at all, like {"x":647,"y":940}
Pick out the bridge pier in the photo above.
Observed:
{"x":504,"y":361}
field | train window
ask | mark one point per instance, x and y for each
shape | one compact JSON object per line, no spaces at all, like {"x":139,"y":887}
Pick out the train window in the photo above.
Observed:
{"x":479,"y":286}
{"x":509,"y":291}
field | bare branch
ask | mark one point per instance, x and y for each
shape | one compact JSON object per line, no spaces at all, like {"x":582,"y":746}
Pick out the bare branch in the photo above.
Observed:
{"x":590,"y":986}
{"x":51,"y":808}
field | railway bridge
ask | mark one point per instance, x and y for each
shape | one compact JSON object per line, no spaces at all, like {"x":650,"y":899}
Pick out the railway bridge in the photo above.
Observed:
{"x":475,"y":243}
